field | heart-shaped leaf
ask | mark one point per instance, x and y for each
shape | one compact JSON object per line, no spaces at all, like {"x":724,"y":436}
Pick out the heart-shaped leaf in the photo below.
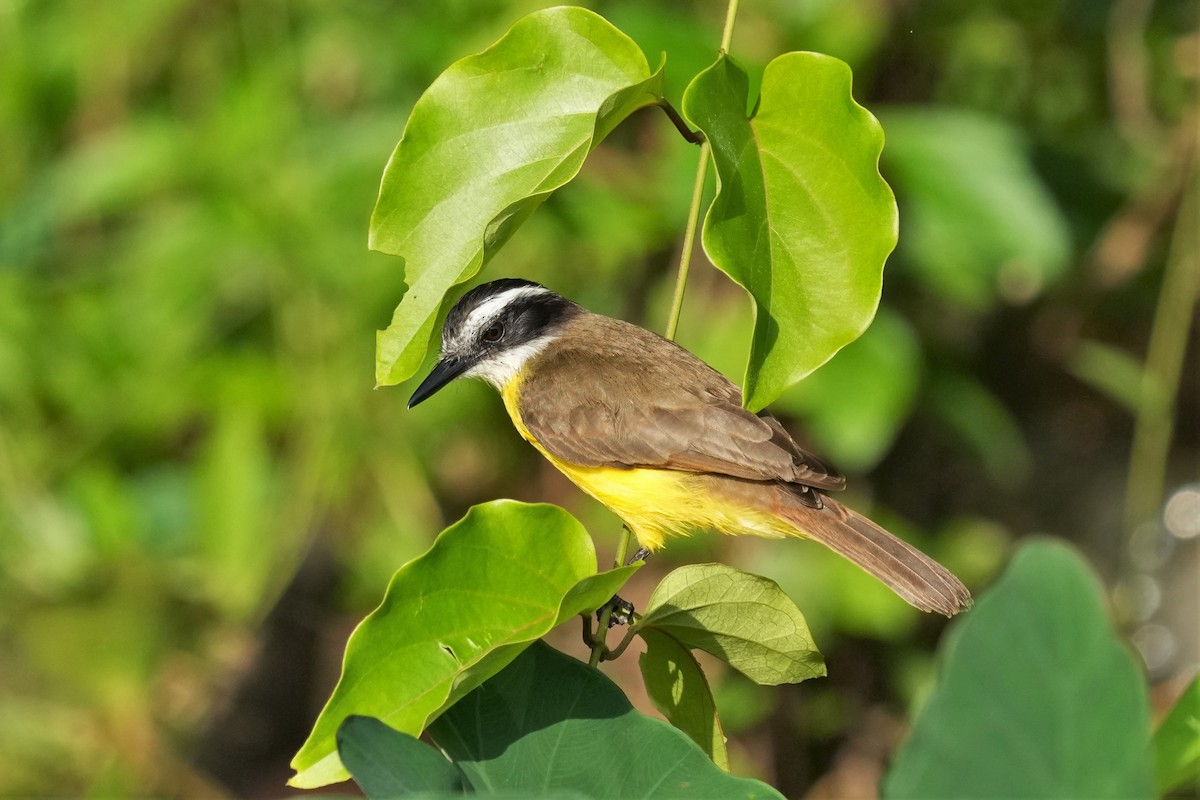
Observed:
{"x":680,"y":692}
{"x":1037,"y":696}
{"x":486,"y":143}
{"x":549,"y":723}
{"x":493,"y":582}
{"x":802,"y":219}
{"x":743,"y":619}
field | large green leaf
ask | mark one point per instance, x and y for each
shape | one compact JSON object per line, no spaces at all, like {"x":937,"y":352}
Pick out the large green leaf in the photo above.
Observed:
{"x":1177,"y":742}
{"x":802,"y":219}
{"x":549,"y":723}
{"x":388,"y":763}
{"x":490,"y":139}
{"x":679,"y":690}
{"x":1037,"y":696}
{"x":743,"y":619}
{"x":493,"y":582}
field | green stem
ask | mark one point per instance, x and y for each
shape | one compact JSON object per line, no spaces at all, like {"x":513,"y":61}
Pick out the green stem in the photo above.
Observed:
{"x":689,"y":235}
{"x":599,"y":649}
{"x":598,"y":640}
{"x":616,"y":652}
{"x":1164,"y":366}
{"x":689,"y":239}
{"x":727,"y":34}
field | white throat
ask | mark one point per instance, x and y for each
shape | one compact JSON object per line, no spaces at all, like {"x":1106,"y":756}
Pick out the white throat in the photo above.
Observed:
{"x":502,"y":367}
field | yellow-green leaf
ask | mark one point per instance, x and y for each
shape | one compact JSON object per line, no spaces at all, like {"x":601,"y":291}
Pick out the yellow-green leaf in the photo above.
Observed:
{"x":745,"y":620}
{"x":490,"y":139}
{"x":802,"y":218}
{"x":680,"y":692}
{"x":492,"y":583}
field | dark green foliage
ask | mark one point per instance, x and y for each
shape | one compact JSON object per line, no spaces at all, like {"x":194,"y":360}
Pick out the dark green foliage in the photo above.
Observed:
{"x":547,"y":726}
{"x":1037,"y":696}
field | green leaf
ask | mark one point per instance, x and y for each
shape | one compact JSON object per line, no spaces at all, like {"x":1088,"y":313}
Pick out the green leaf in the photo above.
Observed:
{"x":551,"y":723}
{"x":978,"y":221}
{"x":493,"y":582}
{"x":1037,"y":696}
{"x":802,"y":219}
{"x":743,"y":619}
{"x":387,"y":763}
{"x":1177,"y":742}
{"x":679,"y":690}
{"x":490,"y":139}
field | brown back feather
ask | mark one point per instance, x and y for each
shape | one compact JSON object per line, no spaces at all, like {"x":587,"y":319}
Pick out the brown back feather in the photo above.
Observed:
{"x":608,"y":393}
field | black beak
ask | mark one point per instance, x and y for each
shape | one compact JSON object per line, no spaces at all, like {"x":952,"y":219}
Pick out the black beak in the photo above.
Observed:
{"x":443,"y":372}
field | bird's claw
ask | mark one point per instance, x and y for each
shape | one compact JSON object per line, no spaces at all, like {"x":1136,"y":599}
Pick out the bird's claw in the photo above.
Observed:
{"x":620,"y":611}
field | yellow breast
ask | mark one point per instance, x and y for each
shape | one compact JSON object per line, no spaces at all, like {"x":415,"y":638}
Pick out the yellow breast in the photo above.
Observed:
{"x":654,"y":503}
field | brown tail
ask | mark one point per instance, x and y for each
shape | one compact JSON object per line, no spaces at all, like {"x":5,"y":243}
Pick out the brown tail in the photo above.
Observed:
{"x":910,"y":573}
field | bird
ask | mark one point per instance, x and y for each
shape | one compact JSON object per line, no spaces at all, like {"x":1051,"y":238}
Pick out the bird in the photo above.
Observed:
{"x":659,"y":437}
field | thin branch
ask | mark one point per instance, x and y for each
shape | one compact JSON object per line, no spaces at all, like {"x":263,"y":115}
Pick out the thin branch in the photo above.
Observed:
{"x":689,"y":242}
{"x":610,"y":655}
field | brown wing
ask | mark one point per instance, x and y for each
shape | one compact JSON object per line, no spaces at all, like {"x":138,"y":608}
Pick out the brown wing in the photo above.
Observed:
{"x":627,"y":397}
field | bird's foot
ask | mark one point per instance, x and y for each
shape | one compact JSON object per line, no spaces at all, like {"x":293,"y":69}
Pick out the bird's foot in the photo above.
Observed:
{"x":641,"y":555}
{"x":620,"y":611}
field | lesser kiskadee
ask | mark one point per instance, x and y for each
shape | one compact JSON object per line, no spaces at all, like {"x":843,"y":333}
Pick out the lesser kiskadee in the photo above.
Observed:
{"x":660,"y":437}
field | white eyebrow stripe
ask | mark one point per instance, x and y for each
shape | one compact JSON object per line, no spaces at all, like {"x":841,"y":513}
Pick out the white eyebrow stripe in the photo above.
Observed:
{"x":491,"y":307}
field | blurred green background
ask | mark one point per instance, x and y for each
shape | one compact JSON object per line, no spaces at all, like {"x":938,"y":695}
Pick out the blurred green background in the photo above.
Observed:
{"x":200,"y":493}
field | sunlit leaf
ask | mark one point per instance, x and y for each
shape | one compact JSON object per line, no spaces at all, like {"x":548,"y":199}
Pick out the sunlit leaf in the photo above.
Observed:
{"x":1177,"y":742}
{"x":802,"y":219}
{"x":679,"y":690}
{"x":745,"y":620}
{"x":490,"y":139}
{"x":549,"y":723}
{"x":492,"y":583}
{"x":1037,"y":697}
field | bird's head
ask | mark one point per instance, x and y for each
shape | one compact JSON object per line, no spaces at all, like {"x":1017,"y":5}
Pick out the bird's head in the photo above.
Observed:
{"x":493,"y":330}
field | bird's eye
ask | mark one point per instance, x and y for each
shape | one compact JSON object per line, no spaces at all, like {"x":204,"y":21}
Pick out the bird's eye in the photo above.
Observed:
{"x":493,"y":332}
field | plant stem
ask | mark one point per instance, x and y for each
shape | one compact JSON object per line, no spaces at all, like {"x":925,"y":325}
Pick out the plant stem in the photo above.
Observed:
{"x":693,"y":137}
{"x":616,"y":652}
{"x":598,"y":639}
{"x":689,"y":235}
{"x":727,"y":34}
{"x":1164,"y":365}
{"x":599,"y":648}
{"x":689,"y":240}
